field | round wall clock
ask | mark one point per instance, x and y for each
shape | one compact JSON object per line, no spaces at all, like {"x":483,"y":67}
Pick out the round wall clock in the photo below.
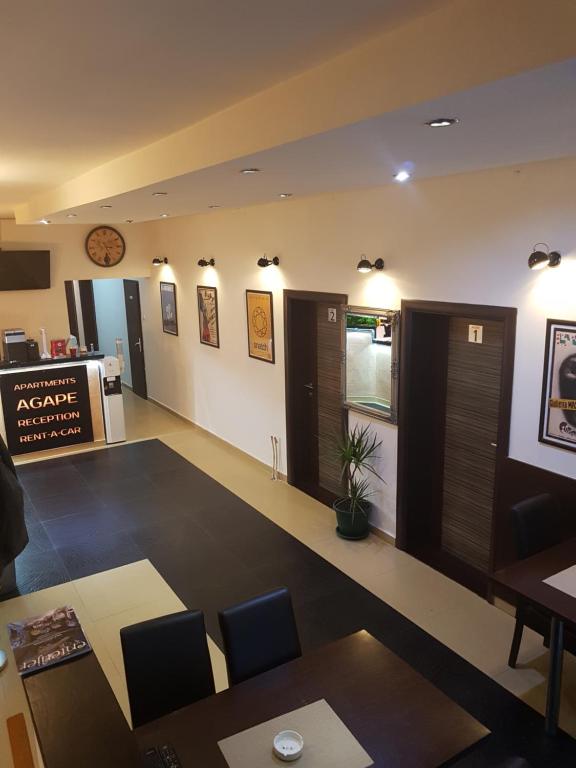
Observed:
{"x":105,"y":246}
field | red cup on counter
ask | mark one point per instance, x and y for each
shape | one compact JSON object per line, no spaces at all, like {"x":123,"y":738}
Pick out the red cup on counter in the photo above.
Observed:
{"x":73,"y":351}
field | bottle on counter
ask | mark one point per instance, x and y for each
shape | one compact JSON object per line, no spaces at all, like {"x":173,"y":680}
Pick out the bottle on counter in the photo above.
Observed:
{"x":73,"y":346}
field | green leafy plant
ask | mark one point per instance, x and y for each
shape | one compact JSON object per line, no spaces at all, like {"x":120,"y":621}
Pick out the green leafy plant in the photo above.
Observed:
{"x":357,"y":450}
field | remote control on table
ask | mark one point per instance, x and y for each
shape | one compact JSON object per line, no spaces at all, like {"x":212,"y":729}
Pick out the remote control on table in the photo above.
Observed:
{"x":169,"y":756}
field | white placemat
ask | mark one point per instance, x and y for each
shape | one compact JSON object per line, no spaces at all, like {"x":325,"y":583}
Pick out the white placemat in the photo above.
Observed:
{"x":327,"y":741}
{"x":565,"y":581}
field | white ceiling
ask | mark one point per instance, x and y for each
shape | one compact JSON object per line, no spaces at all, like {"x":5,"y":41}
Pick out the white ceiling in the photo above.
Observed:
{"x":84,"y":82}
{"x":521,"y":119}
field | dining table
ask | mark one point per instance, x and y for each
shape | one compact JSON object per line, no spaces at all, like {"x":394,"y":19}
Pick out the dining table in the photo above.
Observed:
{"x":397,"y":716}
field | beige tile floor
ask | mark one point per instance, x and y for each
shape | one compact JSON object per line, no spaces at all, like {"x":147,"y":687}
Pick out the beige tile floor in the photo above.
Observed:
{"x":477,"y":631}
{"x":104,"y":603}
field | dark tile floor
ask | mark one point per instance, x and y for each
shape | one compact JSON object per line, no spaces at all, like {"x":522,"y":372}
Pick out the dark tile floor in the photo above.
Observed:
{"x":99,"y":510}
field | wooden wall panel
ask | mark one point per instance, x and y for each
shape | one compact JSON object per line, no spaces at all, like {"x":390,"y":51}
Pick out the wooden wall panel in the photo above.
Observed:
{"x":330,"y":396}
{"x":472,"y":410}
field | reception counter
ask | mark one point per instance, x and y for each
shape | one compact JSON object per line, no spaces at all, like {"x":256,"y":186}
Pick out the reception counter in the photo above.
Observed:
{"x":51,"y":403}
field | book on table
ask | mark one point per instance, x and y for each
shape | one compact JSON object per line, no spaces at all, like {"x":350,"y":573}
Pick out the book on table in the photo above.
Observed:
{"x":42,"y":641}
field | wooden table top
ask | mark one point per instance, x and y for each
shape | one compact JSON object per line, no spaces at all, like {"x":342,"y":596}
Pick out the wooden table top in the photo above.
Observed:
{"x":401,"y":719}
{"x":526,"y":578}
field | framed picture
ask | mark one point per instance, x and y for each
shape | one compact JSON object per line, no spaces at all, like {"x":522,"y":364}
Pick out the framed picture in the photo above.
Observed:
{"x":168,"y":306}
{"x":260,"y":319}
{"x":208,"y":315}
{"x":558,"y":409}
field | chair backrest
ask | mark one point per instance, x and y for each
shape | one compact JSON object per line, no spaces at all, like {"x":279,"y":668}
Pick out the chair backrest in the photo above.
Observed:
{"x":259,"y":634}
{"x":167,"y":664}
{"x":538,"y":524}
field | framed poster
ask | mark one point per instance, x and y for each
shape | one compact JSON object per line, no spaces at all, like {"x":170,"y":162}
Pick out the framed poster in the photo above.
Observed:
{"x":558,"y":408}
{"x":168,"y":305}
{"x":208,"y":315}
{"x":260,"y":319}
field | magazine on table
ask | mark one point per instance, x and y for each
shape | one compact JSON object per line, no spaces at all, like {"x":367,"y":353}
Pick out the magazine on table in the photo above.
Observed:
{"x":42,"y":641}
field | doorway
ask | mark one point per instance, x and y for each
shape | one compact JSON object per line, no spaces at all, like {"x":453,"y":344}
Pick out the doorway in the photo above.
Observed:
{"x":456,"y":370}
{"x":104,"y":310}
{"x":315,"y":416}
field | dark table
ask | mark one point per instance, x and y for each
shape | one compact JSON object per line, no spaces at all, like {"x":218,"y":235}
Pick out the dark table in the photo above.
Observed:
{"x":526,"y":580}
{"x":401,"y":719}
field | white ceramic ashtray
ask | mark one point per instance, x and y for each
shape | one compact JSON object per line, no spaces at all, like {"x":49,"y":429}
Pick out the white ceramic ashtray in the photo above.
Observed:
{"x":288,"y":745}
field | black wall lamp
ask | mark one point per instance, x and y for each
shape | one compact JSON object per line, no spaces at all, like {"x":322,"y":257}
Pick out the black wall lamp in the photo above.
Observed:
{"x":540,"y":259}
{"x":158,"y":262}
{"x":204,"y":263}
{"x":365,"y":266}
{"x":264,"y":262}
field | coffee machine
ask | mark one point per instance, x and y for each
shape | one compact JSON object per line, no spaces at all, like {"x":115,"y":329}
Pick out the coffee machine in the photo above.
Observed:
{"x":14,"y":346}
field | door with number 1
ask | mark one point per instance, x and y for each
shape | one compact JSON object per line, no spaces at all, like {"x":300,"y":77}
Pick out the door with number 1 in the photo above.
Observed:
{"x":456,"y":387}
{"x":135,"y":337}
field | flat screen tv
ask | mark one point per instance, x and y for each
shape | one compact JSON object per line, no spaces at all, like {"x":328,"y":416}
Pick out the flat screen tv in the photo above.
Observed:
{"x":24,"y":270}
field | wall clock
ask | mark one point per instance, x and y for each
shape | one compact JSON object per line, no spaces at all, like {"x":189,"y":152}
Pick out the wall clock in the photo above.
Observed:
{"x":105,"y":246}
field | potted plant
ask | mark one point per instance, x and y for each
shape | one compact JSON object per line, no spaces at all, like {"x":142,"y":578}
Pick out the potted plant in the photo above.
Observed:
{"x":356,"y":450}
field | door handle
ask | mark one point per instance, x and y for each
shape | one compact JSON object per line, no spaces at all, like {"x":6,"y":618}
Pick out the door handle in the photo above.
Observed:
{"x":309,"y":386}
{"x":494,"y":445}
{"x":139,"y":344}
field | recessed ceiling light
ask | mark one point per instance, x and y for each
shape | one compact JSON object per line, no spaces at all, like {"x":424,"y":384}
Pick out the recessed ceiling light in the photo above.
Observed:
{"x":159,"y":194}
{"x":284,"y":195}
{"x":164,"y":215}
{"x":402,"y":176}
{"x":247,"y":171}
{"x":106,"y":205}
{"x":45,"y":221}
{"x":442,"y":122}
{"x":214,"y":206}
{"x":70,"y":215}
{"x":129,"y":221}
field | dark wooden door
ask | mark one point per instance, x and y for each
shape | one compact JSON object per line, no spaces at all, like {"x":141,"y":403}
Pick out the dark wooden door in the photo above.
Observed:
{"x":314,"y":391}
{"x":473,"y":386}
{"x":135,"y":337}
{"x":453,"y":434}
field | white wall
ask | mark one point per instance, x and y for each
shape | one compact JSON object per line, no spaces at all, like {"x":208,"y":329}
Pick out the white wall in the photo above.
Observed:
{"x":111,"y":320}
{"x":463,"y":238}
{"x":32,"y":310}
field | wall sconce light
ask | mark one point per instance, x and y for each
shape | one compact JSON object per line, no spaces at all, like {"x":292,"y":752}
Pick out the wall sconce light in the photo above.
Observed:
{"x":158,"y":262}
{"x":204,"y":263}
{"x":264,"y":262}
{"x":365,"y":266}
{"x":540,"y":259}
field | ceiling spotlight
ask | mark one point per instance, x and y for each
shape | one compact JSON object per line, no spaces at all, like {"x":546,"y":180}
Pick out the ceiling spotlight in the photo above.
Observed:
{"x":107,"y":205}
{"x":45,"y":221}
{"x":264,"y":262}
{"x":402,"y":176}
{"x":159,"y":194}
{"x":284,"y":195}
{"x":158,"y":262}
{"x":164,"y":215}
{"x":214,"y":205}
{"x":129,"y":221}
{"x":365,"y":266}
{"x":70,"y":215}
{"x":204,"y":263}
{"x":540,"y":259}
{"x":248,"y":171}
{"x":442,"y":122}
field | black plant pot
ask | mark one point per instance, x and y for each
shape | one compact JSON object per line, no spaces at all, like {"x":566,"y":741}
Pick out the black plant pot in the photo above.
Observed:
{"x":352,"y":526}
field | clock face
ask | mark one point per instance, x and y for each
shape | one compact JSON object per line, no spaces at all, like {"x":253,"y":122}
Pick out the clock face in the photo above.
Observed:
{"x":105,"y":246}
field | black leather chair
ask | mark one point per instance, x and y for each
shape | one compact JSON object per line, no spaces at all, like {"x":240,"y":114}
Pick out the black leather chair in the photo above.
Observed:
{"x":538,"y":523}
{"x":167,"y":664}
{"x":259,"y":634}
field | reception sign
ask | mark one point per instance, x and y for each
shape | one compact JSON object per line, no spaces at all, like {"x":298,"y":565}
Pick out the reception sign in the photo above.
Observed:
{"x":558,"y":411}
{"x":46,"y":408}
{"x":260,"y":320}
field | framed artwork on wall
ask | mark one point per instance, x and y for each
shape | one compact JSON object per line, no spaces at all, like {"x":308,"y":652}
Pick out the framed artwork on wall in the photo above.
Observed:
{"x":558,"y":408}
{"x":208,"y":315}
{"x":168,"y":307}
{"x":260,"y":319}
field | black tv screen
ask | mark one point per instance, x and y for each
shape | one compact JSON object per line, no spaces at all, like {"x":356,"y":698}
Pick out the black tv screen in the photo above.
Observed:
{"x":24,"y":270}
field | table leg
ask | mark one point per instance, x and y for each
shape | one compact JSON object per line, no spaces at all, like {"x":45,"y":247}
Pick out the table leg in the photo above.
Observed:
{"x":554,"y":675}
